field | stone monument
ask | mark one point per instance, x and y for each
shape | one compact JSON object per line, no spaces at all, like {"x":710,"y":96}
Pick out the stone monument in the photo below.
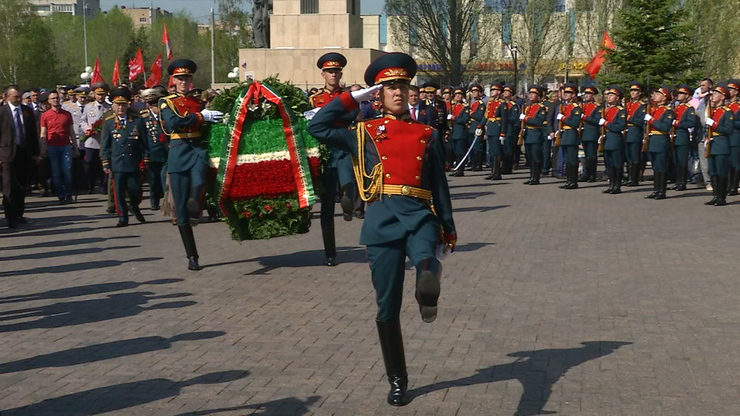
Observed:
{"x":300,"y":31}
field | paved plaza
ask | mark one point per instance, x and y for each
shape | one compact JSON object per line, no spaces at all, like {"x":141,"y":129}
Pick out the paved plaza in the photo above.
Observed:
{"x":556,"y":302}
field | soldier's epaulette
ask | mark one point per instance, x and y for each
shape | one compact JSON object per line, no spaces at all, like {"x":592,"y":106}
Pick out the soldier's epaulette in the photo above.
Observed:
{"x":110,"y":116}
{"x":144,"y":113}
{"x":619,"y":107}
{"x":108,"y":113}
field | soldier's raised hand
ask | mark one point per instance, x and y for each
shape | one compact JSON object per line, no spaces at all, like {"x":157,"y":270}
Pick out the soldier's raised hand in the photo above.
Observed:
{"x":366,"y":94}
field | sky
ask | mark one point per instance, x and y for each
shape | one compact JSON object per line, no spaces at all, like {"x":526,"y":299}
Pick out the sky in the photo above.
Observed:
{"x":200,"y":9}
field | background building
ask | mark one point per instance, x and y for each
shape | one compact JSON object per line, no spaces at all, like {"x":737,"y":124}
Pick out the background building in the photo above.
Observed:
{"x":144,"y":16}
{"x":73,"y":7}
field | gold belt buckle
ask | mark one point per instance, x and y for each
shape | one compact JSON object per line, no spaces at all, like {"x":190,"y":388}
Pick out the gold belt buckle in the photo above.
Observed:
{"x":405,"y":190}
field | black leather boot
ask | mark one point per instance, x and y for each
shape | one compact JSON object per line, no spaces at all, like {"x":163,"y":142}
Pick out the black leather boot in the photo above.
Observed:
{"x":567,"y":177}
{"x":347,"y":202}
{"x":634,"y":174}
{"x":591,"y":169}
{"x":732,"y":182}
{"x":713,"y":181}
{"x":330,"y":245}
{"x":612,"y":181}
{"x":428,"y":277}
{"x":137,"y":213}
{"x":722,"y":191}
{"x":653,"y":194}
{"x":617,"y":181}
{"x":573,"y":177}
{"x":531,"y":175}
{"x":489,"y":177}
{"x":537,"y":171}
{"x":662,"y":181}
{"x":497,"y":168}
{"x":188,"y":240}
{"x":391,"y":344}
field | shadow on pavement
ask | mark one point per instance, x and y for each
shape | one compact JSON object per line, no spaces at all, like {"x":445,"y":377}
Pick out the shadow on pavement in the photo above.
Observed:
{"x":471,"y":195}
{"x":75,"y":266}
{"x":307,"y":258}
{"x":45,"y":233}
{"x":63,"y":314}
{"x":64,"y":253}
{"x":70,"y":242}
{"x":480,"y":209}
{"x":100,"y":352}
{"x":289,"y":406}
{"x":120,"y":396}
{"x":536,"y":370}
{"x":468,"y":247}
{"x":86,"y":290}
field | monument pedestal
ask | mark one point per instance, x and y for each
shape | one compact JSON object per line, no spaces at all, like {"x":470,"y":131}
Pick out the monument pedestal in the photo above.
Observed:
{"x":299,"y":65}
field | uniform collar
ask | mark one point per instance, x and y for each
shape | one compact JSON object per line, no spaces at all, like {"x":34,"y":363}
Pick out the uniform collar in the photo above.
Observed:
{"x":404,"y":117}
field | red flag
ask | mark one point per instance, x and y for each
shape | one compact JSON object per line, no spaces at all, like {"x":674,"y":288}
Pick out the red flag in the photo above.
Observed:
{"x":96,"y":77}
{"x":171,"y":82}
{"x":116,"y":74}
{"x":594,"y":66}
{"x":155,"y":74}
{"x":136,"y":66}
{"x":166,"y":41}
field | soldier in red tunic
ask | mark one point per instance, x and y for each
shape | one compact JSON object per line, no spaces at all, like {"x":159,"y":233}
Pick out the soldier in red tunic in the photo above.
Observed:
{"x":399,"y":167}
{"x":338,"y":172}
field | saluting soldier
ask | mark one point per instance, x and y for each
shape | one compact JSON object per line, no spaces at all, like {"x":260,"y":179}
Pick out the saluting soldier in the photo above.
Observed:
{"x":659,"y":122}
{"x":591,"y":131}
{"x":611,"y":129}
{"x":494,"y":114}
{"x":435,"y":103}
{"x":124,"y":147}
{"x":569,"y":120}
{"x":635,"y":109}
{"x":91,"y":122}
{"x":182,"y":116}
{"x":720,"y":126}
{"x":683,"y":126}
{"x":510,"y":125}
{"x":477,"y":120}
{"x":534,"y":120}
{"x":401,"y":174}
{"x":734,"y":177}
{"x":459,"y":117}
{"x":338,"y":173}
{"x":157,"y":143}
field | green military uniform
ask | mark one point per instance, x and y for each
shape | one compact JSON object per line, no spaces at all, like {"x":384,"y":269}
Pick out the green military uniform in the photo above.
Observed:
{"x":591,"y":130}
{"x":612,"y":127}
{"x":569,"y":120}
{"x":721,"y":125}
{"x":477,"y":121}
{"x":734,"y":177}
{"x":401,"y":171}
{"x":535,"y":134}
{"x":510,"y":125}
{"x":124,"y":147}
{"x":659,"y":123}
{"x":635,"y":111}
{"x":181,"y":117}
{"x":158,"y":143}
{"x":494,"y":114}
{"x":684,"y":124}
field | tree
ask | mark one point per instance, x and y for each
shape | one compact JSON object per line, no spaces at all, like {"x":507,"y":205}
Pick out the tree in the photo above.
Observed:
{"x":654,"y":44}
{"x":445,"y":31}
{"x":27,"y":45}
{"x":715,"y":27}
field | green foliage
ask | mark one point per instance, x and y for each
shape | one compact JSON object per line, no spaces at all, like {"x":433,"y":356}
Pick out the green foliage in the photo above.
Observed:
{"x":263,"y":218}
{"x":27,"y":55}
{"x":654,"y":44}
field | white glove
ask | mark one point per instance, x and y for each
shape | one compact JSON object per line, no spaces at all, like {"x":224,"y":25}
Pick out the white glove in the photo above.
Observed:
{"x":310,"y":113}
{"x":212,"y":116}
{"x":366,"y":94}
{"x":478,"y":132}
{"x":648,"y":117}
{"x":521,"y":116}
{"x":675,"y":122}
{"x":449,"y":116}
{"x":709,"y":122}
{"x":602,"y":121}
{"x":560,"y":116}
{"x":502,"y":140}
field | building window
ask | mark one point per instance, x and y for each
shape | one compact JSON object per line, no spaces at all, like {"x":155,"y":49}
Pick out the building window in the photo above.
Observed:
{"x":309,"y":6}
{"x":143,"y":20}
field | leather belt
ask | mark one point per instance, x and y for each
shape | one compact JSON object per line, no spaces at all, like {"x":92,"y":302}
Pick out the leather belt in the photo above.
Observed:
{"x":567,"y":128}
{"x":658,"y":133}
{"x":407,"y":190}
{"x":715,"y":134}
{"x":532,"y":127}
{"x":631,"y":125}
{"x":494,"y":119}
{"x":177,"y":136}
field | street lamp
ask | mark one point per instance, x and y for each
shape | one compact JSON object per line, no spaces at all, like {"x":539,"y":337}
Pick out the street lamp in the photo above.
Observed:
{"x":514,"y":51}
{"x":87,"y":74}
{"x":234,"y":74}
{"x":84,"y":27}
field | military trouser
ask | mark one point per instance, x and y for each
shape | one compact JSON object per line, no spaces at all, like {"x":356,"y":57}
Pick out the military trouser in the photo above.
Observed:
{"x":590,"y":148}
{"x":570,"y":154}
{"x":495,"y":149}
{"x":156,"y":185}
{"x":658,"y":160}
{"x":534,"y":152}
{"x":547,"y":155}
{"x":719,"y":165}
{"x":330,"y":181}
{"x":633,"y":152}
{"x":126,"y":183}
{"x":460,"y":150}
{"x":735,"y":157}
{"x":613,"y":158}
{"x":182,"y":184}
{"x":387,"y":263}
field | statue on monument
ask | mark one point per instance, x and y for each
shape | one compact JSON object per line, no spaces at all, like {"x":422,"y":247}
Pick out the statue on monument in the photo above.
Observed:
{"x":261,"y":23}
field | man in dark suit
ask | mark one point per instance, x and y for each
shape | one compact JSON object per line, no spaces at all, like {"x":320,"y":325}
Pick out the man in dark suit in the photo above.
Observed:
{"x":19,"y":150}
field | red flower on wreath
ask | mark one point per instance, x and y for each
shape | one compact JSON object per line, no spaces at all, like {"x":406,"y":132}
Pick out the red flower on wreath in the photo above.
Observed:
{"x":268,"y":208}
{"x":246,"y":214}
{"x":287,"y":204}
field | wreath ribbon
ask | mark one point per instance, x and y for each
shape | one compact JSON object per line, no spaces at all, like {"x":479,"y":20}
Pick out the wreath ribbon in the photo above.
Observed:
{"x":298,"y":156}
